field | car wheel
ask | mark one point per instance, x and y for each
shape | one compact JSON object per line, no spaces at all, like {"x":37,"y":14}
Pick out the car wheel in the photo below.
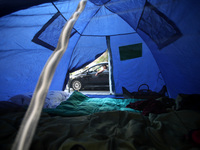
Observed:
{"x":76,"y":85}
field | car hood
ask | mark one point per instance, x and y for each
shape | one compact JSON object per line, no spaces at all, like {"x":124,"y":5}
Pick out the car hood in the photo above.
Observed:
{"x":76,"y":75}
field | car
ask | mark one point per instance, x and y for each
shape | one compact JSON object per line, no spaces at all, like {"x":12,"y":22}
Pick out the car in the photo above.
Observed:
{"x":88,"y":79}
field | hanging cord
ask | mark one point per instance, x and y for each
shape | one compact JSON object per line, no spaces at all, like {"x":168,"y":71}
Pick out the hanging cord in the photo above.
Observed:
{"x":30,"y":121}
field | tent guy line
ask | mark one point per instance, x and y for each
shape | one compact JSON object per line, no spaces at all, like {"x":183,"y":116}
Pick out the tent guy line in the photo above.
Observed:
{"x":30,"y":121}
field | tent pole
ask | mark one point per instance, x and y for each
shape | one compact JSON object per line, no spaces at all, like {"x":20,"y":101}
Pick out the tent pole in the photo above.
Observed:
{"x":29,"y":123}
{"x":111,"y":81}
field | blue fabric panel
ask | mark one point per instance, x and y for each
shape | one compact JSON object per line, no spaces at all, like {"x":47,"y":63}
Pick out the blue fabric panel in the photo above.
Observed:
{"x":87,"y":50}
{"x":107,"y":23}
{"x":69,"y":7}
{"x":64,"y":65}
{"x":20,"y":71}
{"x":49,"y":35}
{"x":85,"y":17}
{"x":179,"y":61}
{"x":134,"y":72}
{"x":99,"y":2}
{"x":129,"y":10}
{"x":21,"y":60}
{"x":10,"y":6}
{"x":17,"y":29}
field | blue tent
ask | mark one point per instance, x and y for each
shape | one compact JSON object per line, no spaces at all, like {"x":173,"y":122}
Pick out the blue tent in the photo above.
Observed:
{"x":150,"y":41}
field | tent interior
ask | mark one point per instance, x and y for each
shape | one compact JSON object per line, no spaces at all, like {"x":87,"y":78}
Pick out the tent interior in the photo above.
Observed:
{"x":152,"y":42}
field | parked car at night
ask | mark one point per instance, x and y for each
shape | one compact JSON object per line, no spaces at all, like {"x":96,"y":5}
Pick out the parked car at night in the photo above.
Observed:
{"x":88,"y":79}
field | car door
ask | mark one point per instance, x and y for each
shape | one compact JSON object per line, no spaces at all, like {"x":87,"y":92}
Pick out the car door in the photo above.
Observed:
{"x":103,"y":78}
{"x":90,"y":78}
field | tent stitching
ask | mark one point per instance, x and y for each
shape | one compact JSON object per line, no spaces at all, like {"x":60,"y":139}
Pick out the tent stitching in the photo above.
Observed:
{"x":89,"y":21}
{"x":119,"y":16}
{"x":62,"y":14}
{"x":110,"y":35}
{"x":58,"y":10}
{"x":41,"y":42}
{"x":141,"y":14}
{"x":66,"y":76}
{"x":82,"y":32}
{"x":99,"y":5}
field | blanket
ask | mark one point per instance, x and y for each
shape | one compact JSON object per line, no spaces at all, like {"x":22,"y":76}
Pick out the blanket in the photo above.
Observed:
{"x":79,"y":104}
{"x":113,"y":130}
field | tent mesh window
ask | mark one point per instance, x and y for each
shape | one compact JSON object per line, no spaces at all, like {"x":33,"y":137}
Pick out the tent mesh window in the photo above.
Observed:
{"x":158,"y":26}
{"x":130,"y":51}
{"x":49,"y":34}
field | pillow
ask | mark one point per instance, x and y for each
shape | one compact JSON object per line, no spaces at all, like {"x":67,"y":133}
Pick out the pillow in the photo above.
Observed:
{"x":53,"y":99}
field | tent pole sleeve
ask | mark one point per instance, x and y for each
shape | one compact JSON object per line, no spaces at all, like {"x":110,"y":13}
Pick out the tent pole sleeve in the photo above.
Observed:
{"x":111,"y":81}
{"x":30,"y":121}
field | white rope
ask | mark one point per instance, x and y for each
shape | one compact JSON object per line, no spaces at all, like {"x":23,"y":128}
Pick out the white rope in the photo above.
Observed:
{"x":30,"y":121}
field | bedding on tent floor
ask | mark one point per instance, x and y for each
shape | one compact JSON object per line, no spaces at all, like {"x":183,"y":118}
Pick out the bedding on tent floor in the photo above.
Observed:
{"x":87,"y":123}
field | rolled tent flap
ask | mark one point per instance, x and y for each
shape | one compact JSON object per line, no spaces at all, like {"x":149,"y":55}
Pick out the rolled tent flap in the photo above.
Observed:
{"x":161,"y":39}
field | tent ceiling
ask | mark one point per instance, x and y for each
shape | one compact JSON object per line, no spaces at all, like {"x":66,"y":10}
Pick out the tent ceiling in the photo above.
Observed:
{"x":10,"y":6}
{"x":98,"y":2}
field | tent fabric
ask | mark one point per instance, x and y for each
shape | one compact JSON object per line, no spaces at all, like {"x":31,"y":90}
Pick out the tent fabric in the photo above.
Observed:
{"x":102,"y":24}
{"x":41,"y":37}
{"x":168,"y":31}
{"x":123,"y":76}
{"x":10,"y":6}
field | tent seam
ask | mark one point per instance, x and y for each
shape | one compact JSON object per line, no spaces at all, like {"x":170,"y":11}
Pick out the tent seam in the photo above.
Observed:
{"x":83,"y":30}
{"x":58,"y":10}
{"x":75,"y":47}
{"x":141,"y":15}
{"x":111,"y":35}
{"x":62,"y":14}
{"x":119,"y":16}
{"x":90,"y":20}
{"x":99,"y":5}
